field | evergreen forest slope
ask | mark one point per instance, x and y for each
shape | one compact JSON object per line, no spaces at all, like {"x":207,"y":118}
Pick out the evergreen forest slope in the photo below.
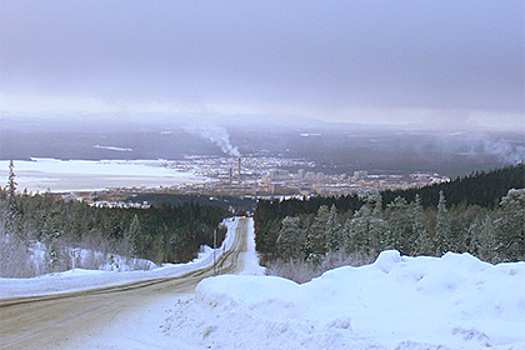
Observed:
{"x":57,"y":229}
{"x":482,"y":214}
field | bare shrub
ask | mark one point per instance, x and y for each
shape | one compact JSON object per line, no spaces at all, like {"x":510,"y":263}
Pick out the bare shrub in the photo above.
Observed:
{"x":15,"y":257}
{"x":302,"y":271}
{"x":15,"y":261}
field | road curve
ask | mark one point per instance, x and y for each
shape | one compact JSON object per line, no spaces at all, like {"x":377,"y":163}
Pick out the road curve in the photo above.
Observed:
{"x":51,"y":321}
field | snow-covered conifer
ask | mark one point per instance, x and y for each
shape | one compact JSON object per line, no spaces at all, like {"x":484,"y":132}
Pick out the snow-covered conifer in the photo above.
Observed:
{"x":401,"y":235}
{"x":291,"y":239}
{"x":316,"y":236}
{"x":442,"y":230}
{"x":419,"y":220}
{"x":510,"y":226}
{"x":334,"y":232}
{"x":360,"y":229}
{"x":133,"y":235}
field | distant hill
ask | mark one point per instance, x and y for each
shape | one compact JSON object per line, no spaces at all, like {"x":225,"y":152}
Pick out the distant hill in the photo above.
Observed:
{"x":336,"y":148}
{"x":480,"y":188}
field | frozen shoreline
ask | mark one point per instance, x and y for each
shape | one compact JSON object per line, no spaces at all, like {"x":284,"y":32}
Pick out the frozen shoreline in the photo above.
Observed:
{"x":42,"y":174}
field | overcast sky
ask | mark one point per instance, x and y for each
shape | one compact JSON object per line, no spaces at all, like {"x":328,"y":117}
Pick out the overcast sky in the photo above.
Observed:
{"x":358,"y":61}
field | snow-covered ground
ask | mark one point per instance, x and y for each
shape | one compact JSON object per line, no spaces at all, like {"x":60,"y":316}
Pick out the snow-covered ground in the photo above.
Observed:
{"x":453,"y":302}
{"x":79,"y":279}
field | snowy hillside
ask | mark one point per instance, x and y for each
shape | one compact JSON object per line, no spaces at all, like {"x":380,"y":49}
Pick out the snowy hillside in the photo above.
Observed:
{"x":453,"y":302}
{"x":88,"y":259}
{"x":108,"y":274}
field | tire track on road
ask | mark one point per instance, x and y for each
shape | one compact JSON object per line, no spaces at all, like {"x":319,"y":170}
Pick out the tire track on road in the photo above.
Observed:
{"x":49,"y":321}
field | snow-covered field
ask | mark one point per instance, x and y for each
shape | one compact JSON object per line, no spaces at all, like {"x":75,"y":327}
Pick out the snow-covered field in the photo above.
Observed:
{"x":42,"y":174}
{"x":453,"y":302}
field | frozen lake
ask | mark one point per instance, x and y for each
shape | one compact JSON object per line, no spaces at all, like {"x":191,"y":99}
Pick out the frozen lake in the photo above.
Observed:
{"x":42,"y":174}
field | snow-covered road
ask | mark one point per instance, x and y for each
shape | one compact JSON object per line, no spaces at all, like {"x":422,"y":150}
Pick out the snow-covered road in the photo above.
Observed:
{"x":83,"y":318}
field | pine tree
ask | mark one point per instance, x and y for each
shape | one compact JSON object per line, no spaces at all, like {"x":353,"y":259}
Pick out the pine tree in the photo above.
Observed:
{"x":55,"y":252}
{"x":400,"y":228}
{"x":510,"y":226}
{"x":334,"y":232}
{"x":442,"y":231}
{"x":482,"y":240}
{"x":378,"y":227}
{"x":348,"y":236}
{"x":359,"y":229}
{"x":133,"y":235}
{"x":460,"y":219}
{"x":419,"y":220}
{"x":11,"y":184}
{"x":291,"y":239}
{"x":375,"y":201}
{"x":377,"y":234}
{"x":316,"y":236}
{"x":12,"y":223}
{"x":488,"y":247}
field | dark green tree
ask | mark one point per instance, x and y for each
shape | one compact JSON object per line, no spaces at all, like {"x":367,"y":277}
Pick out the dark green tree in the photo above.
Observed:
{"x":317,"y":233}
{"x":291,"y":239}
{"x":334,"y":232}
{"x":510,"y":226}
{"x":423,"y":243}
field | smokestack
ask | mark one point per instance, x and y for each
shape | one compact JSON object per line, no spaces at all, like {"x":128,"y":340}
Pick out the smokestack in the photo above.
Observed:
{"x":231,"y":176}
{"x":239,"y":170}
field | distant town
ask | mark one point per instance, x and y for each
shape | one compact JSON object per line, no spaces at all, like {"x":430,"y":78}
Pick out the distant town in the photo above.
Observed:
{"x":256,"y":177}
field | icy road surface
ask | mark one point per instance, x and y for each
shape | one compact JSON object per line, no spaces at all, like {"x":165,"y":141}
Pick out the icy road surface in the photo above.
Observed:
{"x":80,"y":319}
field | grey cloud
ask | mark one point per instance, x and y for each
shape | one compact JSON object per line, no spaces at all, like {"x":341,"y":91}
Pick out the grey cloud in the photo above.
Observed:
{"x":406,"y":54}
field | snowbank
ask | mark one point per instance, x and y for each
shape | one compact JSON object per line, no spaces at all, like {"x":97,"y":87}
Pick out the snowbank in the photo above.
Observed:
{"x":79,"y":279}
{"x":453,"y":302}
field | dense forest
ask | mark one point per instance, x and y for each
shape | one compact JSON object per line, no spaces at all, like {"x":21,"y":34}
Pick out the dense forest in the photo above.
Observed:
{"x":480,"y":188}
{"x":59,"y":229}
{"x":484,"y":217}
{"x":225,"y":202}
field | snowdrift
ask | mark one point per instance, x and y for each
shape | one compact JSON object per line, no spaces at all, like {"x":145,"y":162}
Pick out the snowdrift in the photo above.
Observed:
{"x":398,"y":302}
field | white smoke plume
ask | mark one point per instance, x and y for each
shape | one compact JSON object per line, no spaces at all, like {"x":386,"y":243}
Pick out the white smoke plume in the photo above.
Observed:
{"x":506,"y":151}
{"x":216,"y":134}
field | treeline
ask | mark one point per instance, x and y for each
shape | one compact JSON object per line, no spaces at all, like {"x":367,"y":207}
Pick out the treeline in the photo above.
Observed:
{"x":225,"y":202}
{"x":368,"y":226}
{"x":479,"y":188}
{"x":160,"y":234}
{"x":269,"y":214}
